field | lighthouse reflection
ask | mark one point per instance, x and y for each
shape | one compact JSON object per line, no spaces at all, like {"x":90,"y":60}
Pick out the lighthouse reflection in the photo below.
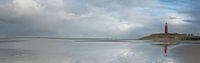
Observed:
{"x":168,"y":43}
{"x":165,"y":50}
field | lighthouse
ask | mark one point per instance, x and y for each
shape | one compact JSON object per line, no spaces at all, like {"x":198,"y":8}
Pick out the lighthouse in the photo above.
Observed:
{"x":165,"y":46}
{"x":166,"y":28}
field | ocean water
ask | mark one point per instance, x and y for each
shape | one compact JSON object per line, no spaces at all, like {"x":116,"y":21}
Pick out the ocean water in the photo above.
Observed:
{"x":87,"y":51}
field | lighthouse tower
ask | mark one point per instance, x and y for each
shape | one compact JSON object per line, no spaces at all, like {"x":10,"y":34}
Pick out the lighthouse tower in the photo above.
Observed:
{"x":166,"y":32}
{"x":166,"y":28}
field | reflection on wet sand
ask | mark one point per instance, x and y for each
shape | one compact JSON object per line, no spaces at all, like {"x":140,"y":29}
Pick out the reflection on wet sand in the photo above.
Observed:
{"x":188,"y":53}
{"x":71,"y":51}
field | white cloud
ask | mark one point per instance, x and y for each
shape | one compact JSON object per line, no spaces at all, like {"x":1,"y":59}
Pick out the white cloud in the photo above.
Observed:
{"x":177,"y":18}
{"x":26,"y":6}
{"x":88,"y":18}
{"x":56,"y":3}
{"x":97,"y":20}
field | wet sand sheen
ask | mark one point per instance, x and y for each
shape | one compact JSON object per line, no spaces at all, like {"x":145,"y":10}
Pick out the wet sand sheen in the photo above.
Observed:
{"x":71,"y":51}
{"x":189,"y":53}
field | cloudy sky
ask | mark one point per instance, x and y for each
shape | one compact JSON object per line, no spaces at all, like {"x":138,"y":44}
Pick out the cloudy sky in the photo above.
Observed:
{"x":97,"y":18}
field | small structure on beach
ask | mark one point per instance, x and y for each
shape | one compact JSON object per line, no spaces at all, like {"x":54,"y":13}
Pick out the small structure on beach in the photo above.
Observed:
{"x":174,"y":36}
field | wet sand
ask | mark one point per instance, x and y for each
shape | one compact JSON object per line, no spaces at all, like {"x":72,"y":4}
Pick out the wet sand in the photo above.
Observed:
{"x":87,"y":51}
{"x":189,"y":53}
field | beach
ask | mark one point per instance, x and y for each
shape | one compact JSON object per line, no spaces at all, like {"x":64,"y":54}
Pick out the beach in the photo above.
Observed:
{"x":94,"y":51}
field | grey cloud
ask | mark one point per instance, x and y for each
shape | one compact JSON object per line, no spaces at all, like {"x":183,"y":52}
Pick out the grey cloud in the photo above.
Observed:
{"x":77,"y":19}
{"x":194,"y":13}
{"x":82,"y":18}
{"x":36,"y":24}
{"x":83,"y":6}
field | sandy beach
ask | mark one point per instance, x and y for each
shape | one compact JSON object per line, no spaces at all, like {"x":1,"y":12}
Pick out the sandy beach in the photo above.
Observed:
{"x":188,"y":53}
{"x":78,"y":51}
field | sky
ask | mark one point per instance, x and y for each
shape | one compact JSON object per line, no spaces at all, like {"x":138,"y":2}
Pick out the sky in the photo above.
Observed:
{"x":97,"y":18}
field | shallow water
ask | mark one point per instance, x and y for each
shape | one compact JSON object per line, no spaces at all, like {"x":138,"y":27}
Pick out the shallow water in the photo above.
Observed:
{"x":77,"y":51}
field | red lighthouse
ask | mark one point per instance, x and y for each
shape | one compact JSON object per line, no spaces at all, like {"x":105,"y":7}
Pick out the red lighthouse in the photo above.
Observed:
{"x":166,"y":32}
{"x":166,"y":28}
